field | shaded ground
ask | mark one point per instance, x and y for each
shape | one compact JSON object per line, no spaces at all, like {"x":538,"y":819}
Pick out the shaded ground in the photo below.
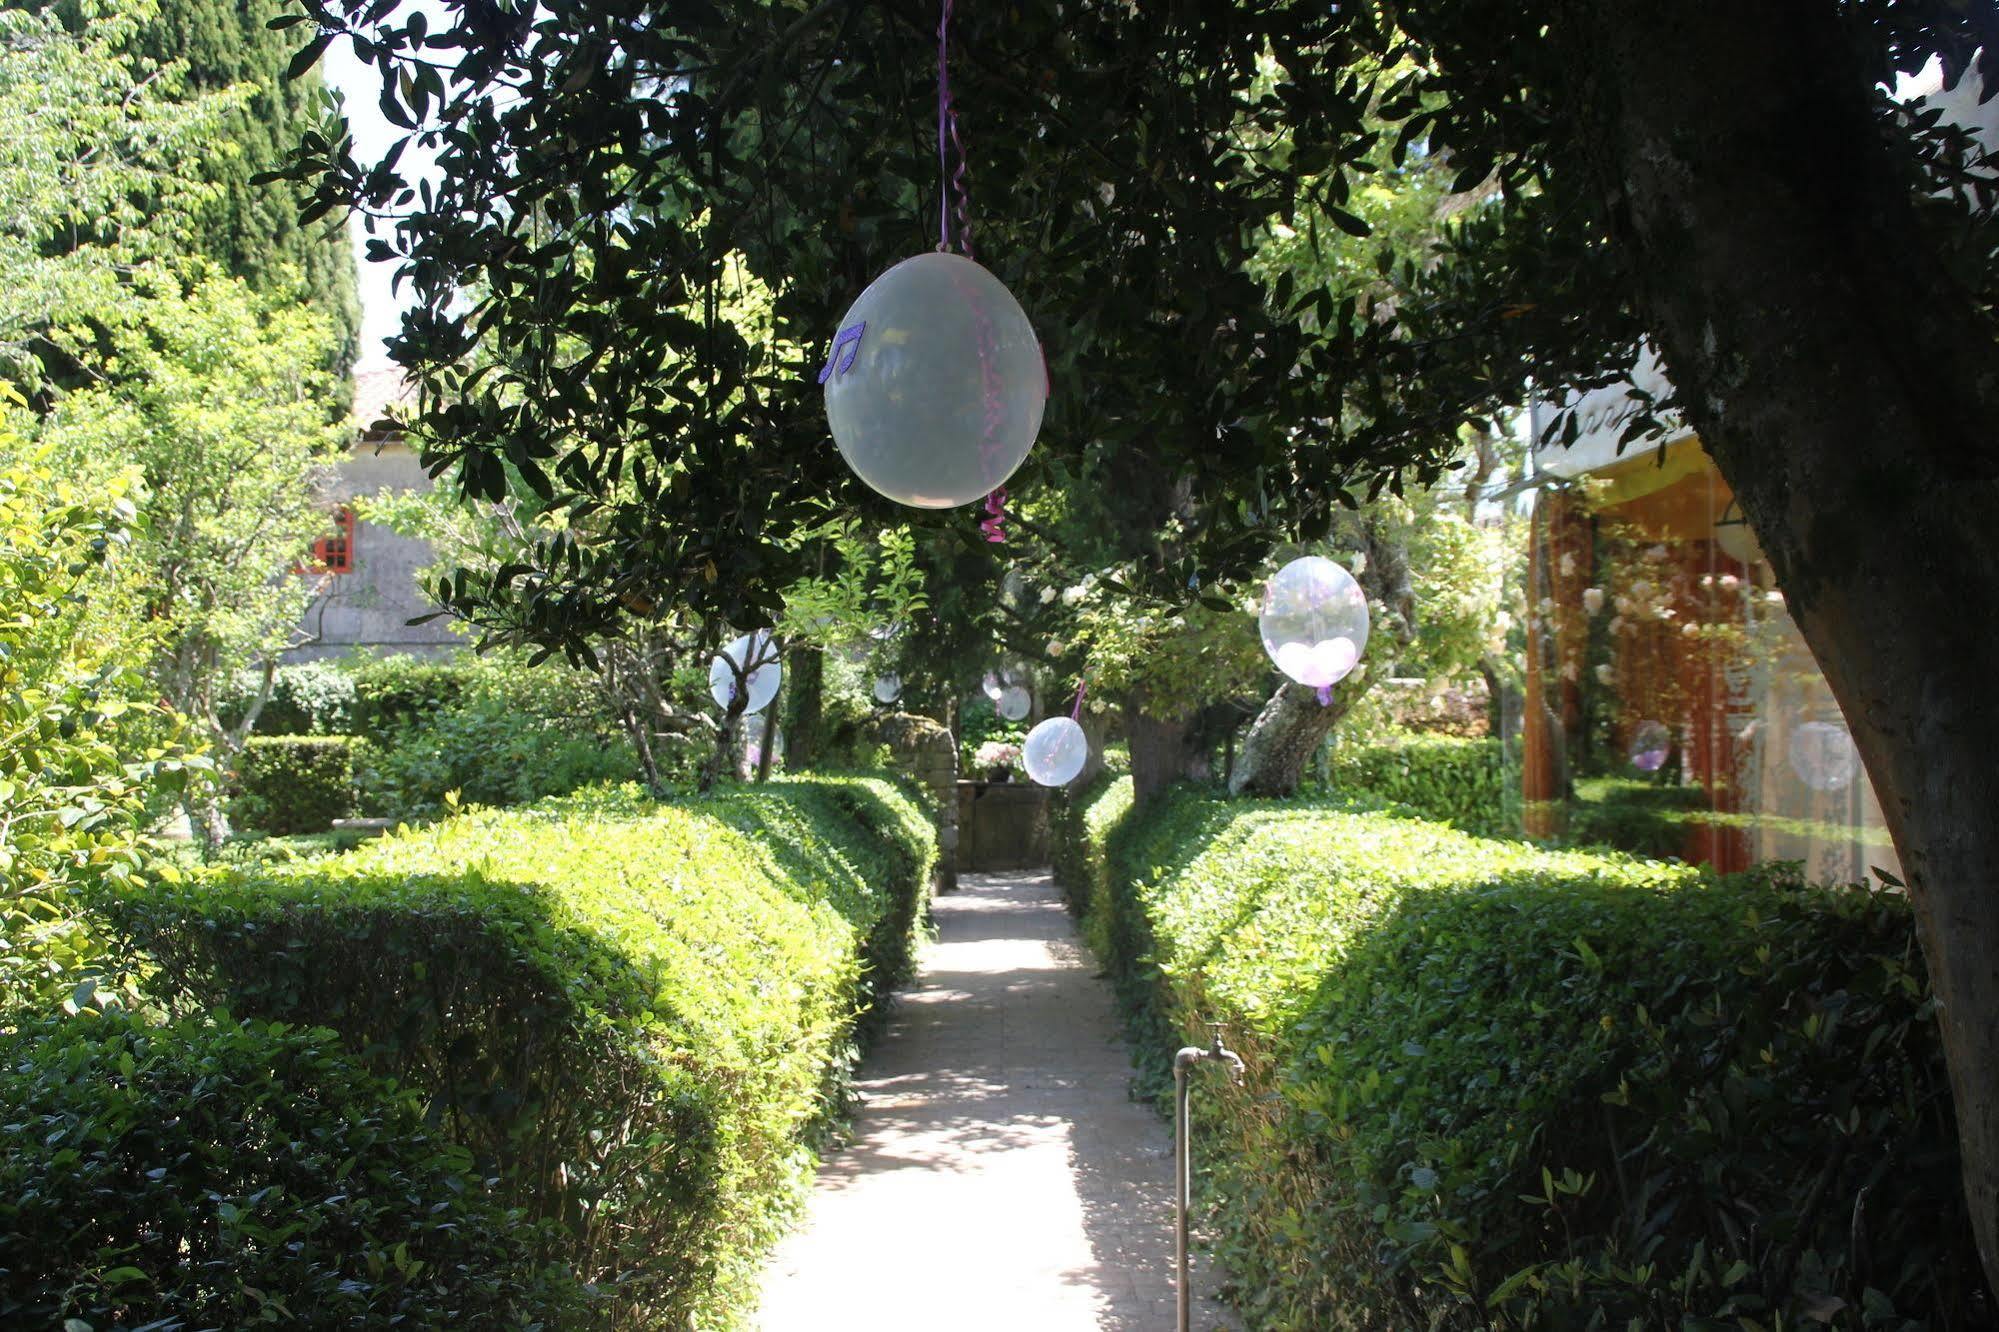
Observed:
{"x":999,"y":1177}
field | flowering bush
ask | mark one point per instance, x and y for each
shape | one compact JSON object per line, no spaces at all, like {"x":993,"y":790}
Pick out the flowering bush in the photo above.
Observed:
{"x":996,"y":754}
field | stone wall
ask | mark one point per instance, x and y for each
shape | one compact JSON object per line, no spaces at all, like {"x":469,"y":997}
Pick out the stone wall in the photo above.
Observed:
{"x":371,"y":607}
{"x":1002,"y":826}
{"x":925,"y":750}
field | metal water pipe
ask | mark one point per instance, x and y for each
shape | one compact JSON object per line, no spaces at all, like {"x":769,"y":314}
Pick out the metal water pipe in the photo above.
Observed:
{"x":1183,"y":1159}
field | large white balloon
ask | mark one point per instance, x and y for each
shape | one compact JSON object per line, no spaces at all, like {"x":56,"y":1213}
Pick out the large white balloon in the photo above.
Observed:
{"x":1055,"y":751}
{"x":1014,"y":703}
{"x":936,"y":386}
{"x":1823,"y":756}
{"x":1314,"y":621}
{"x":755,"y":652}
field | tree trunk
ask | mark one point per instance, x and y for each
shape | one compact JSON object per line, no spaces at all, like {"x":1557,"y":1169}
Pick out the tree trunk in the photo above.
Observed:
{"x":1162,"y":751}
{"x":766,"y":743}
{"x":1847,"y":389}
{"x":641,"y":737}
{"x":804,"y":708}
{"x":1282,"y":740}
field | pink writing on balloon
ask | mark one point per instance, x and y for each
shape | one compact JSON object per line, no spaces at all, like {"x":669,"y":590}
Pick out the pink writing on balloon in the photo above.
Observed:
{"x":850,"y":338}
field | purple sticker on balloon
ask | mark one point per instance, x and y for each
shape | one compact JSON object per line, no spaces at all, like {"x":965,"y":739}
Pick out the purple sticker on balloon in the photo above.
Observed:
{"x":850,"y":338}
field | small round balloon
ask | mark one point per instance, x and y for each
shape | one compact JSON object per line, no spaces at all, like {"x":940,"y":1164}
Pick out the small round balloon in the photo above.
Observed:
{"x":756,"y":653}
{"x":1013,"y":703}
{"x":936,"y":386}
{"x":1314,"y":621}
{"x":1650,"y":744}
{"x":1823,"y":756}
{"x":1054,"y":752}
{"x":992,"y":686}
{"x":888,"y":688}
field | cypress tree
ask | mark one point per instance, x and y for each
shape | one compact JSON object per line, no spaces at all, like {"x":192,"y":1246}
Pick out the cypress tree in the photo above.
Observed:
{"x":252,"y":230}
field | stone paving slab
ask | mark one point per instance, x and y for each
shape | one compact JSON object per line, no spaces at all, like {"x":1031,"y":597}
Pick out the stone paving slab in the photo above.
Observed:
{"x":999,"y":1176}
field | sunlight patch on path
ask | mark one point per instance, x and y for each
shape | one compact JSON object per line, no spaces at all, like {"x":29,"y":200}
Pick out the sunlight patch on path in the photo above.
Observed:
{"x":1000,"y":1176}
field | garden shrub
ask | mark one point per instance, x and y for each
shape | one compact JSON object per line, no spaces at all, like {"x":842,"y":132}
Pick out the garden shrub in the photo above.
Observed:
{"x":636,"y":1015}
{"x":1650,"y":818}
{"x":1493,"y":1084}
{"x":1630,"y":814}
{"x":307,"y":698}
{"x":482,"y":727}
{"x":1457,"y":781}
{"x":295,"y":783}
{"x":223,"y":1175}
{"x":489,"y":753}
{"x":397,"y":691}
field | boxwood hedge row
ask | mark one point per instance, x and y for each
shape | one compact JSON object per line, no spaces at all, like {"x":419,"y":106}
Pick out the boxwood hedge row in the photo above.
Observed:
{"x":230,"y":1175}
{"x":1458,"y":781}
{"x":633,"y":1016}
{"x":1498,"y":1085}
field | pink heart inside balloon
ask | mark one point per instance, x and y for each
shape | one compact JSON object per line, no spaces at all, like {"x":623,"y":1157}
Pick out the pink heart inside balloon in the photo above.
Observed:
{"x":1326,"y":662}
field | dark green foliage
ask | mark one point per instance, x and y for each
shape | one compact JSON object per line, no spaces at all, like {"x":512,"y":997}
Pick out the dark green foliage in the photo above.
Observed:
{"x":1497,"y":1085}
{"x":1642,"y":817}
{"x":307,"y":698}
{"x":1648,"y":818}
{"x":224,"y":1176}
{"x":635,"y":1015}
{"x":295,"y":783}
{"x":488,"y":728}
{"x":391,"y":693}
{"x":1455,"y":781}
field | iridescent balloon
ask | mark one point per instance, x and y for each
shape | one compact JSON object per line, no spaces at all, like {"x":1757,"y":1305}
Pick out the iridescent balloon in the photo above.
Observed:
{"x":758,"y":654}
{"x":888,"y":688}
{"x":992,"y":686}
{"x":1055,"y":752}
{"x":1650,"y":744}
{"x":1823,"y":756}
{"x":1014,"y":703}
{"x":1314,"y":621}
{"x":935,"y":386}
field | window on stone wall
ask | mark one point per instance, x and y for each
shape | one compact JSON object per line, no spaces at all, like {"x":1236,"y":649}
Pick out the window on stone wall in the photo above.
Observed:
{"x":334,"y":553}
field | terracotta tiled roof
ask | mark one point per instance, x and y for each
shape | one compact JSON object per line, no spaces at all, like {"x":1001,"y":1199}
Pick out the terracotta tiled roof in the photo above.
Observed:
{"x":378,"y":393}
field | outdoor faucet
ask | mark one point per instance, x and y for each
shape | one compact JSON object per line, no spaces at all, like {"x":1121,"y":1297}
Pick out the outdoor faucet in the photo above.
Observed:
{"x":1184,"y":1156}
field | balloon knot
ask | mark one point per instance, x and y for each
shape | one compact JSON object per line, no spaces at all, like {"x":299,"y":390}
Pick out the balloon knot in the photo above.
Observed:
{"x":1325,"y":696}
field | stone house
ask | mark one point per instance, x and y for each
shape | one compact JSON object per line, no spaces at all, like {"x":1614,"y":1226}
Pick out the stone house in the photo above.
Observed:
{"x":373,"y":589}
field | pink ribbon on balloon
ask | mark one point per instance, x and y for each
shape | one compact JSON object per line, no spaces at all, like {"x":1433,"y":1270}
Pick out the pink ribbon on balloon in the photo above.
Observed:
{"x":994,"y":522}
{"x":1076,"y":713}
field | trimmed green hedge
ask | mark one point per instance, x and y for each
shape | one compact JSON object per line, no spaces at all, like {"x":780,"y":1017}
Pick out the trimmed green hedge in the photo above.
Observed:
{"x":635,"y":1015}
{"x":1498,"y":1085}
{"x":295,"y":783}
{"x":307,"y":698}
{"x":1456,"y":781}
{"x":1648,"y":818}
{"x":222,"y":1175}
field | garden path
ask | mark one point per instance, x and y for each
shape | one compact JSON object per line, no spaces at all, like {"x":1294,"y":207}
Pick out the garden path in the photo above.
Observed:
{"x":999,"y":1177}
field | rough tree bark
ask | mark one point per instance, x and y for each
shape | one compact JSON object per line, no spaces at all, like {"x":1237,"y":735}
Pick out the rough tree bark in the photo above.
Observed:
{"x":1847,"y":389}
{"x":1282,"y":740}
{"x":1165,"y":748}
{"x":804,"y":708}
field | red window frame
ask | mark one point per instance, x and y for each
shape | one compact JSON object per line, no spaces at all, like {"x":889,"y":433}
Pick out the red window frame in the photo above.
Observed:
{"x":334,"y":553}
